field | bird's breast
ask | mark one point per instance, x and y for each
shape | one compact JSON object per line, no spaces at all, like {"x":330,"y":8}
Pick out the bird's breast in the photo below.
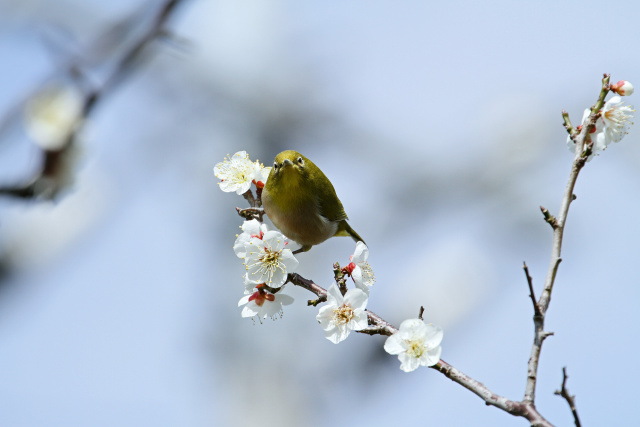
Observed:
{"x":299,"y":220}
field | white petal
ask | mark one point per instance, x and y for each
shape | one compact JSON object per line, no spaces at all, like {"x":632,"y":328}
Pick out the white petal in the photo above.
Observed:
{"x":433,"y":335}
{"x":412,"y":329}
{"x":274,"y":239}
{"x":356,"y":275}
{"x":290,"y":262}
{"x":325,"y":317}
{"x":356,"y":299}
{"x":431,"y":357}
{"x":239,"y":245}
{"x":394,"y":344}
{"x":240,"y":155}
{"x":334,"y":297}
{"x":278,"y":279}
{"x":252,"y":227}
{"x":359,"y":322}
{"x":243,"y":300}
{"x":361,"y":253}
{"x":250,"y":310}
{"x":408,"y":363}
{"x":333,"y":335}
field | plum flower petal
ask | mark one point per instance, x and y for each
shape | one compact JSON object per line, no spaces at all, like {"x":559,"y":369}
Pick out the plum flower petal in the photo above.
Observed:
{"x":236,"y":173}
{"x":52,"y":115}
{"x":416,"y":344}
{"x":359,"y":269}
{"x":343,"y":314}
{"x":267,"y":260}
{"x":262,"y":303}
{"x":252,"y":228}
{"x":617,"y":119}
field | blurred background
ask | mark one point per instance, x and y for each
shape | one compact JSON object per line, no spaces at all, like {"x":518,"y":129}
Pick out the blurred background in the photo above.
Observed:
{"x":439,"y":125}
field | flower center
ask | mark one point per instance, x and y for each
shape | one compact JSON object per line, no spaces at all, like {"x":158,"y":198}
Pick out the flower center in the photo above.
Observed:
{"x":416,"y":348}
{"x":343,"y":314}
{"x":267,"y":263}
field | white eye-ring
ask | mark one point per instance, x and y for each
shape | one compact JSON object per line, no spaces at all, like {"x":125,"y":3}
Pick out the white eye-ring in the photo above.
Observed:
{"x":300,"y":161}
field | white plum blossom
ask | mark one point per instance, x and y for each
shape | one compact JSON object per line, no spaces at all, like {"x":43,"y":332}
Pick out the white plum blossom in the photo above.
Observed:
{"x":612,"y":125}
{"x":52,"y":115}
{"x":268,"y":260}
{"x":252,"y":228}
{"x":617,"y":119}
{"x":236,"y":173}
{"x":597,"y":136}
{"x":416,"y":344}
{"x":260,"y":174}
{"x":341,"y":315}
{"x":262,"y":303}
{"x":359,"y":269}
{"x":622,"y":88}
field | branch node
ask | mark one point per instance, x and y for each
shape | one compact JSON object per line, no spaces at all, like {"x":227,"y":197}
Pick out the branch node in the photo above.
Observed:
{"x":421,"y":312}
{"x":550,"y":219}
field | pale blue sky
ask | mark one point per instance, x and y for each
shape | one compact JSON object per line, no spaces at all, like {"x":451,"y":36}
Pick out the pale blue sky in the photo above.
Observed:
{"x":439,"y":125}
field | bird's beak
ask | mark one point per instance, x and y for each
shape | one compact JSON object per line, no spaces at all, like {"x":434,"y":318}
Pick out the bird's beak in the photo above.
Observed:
{"x":287,"y":162}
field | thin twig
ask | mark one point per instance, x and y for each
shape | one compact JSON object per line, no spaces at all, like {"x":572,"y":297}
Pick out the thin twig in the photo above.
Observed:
{"x":580,"y":157}
{"x":571,"y":400}
{"x":536,"y":308}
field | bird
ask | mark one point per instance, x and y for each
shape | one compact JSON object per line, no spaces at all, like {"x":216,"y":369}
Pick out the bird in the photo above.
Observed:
{"x":301,"y":202}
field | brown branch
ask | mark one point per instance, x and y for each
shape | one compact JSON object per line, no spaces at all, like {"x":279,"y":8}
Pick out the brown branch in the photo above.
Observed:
{"x":379,"y":326}
{"x":579,"y":160}
{"x":340,"y":278}
{"x":50,"y":178}
{"x":536,"y":307}
{"x":251,"y":213}
{"x":568,"y":397}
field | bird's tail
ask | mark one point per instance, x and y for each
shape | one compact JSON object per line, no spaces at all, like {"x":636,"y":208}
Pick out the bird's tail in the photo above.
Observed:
{"x":344,"y":229}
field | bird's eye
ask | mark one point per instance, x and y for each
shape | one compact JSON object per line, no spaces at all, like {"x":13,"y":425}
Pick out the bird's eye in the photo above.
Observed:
{"x":275,"y":166}
{"x":300,"y":161}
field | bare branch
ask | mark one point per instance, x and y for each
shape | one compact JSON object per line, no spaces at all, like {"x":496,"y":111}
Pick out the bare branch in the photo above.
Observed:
{"x":580,"y":157}
{"x":536,"y":308}
{"x":568,"y":397}
{"x":379,"y":326}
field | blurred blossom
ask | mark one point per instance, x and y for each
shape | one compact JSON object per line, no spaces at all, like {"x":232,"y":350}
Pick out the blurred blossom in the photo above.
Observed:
{"x":53,"y":115}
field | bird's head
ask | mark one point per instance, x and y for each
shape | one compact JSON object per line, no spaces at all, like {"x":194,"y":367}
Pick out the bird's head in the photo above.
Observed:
{"x":289,"y":169}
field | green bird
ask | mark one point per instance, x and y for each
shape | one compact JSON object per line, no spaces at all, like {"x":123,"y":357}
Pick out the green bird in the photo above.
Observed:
{"x":301,"y":201}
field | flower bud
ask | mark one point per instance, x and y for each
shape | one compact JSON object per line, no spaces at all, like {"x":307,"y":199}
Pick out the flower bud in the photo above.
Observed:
{"x":623,"y":88}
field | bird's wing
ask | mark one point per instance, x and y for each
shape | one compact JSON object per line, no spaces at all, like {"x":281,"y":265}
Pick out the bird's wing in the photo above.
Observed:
{"x":331,"y":208}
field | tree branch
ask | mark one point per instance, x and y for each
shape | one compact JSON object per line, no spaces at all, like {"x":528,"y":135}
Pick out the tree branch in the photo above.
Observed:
{"x":568,"y":397}
{"x":49,"y":179}
{"x":579,"y":160}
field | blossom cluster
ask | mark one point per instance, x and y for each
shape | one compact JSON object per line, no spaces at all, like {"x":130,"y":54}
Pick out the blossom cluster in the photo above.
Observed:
{"x":238,"y":172}
{"x":268,"y":261}
{"x":613,"y":122}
